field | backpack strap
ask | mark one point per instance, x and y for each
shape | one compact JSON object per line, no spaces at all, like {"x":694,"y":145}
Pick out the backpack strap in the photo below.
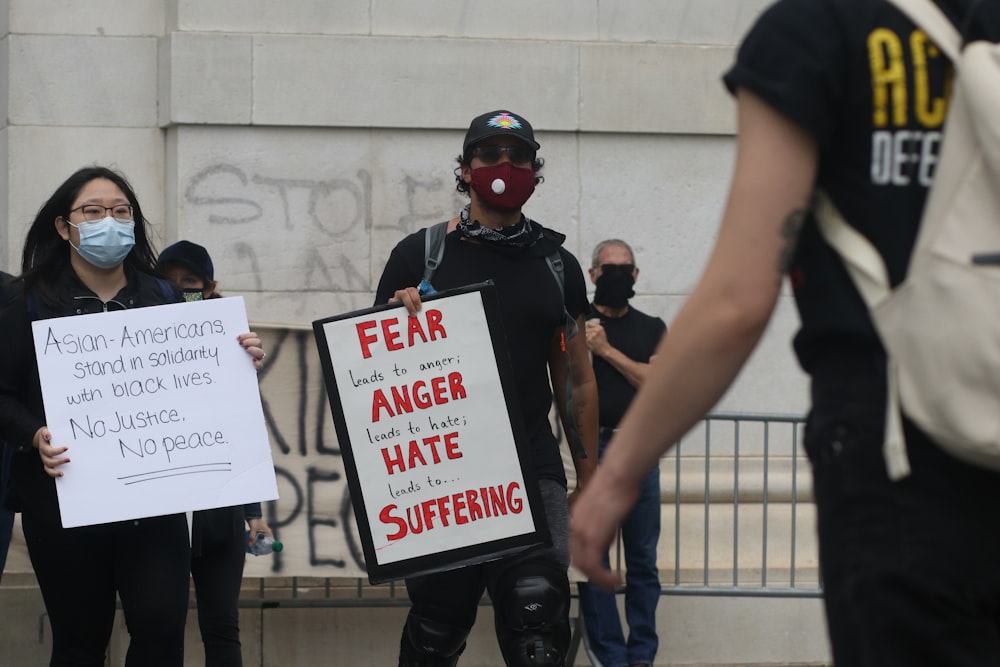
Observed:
{"x":932,"y":20}
{"x":558,"y":270}
{"x":433,"y":253}
{"x":570,"y":329}
{"x":864,"y":263}
{"x":867,"y":271}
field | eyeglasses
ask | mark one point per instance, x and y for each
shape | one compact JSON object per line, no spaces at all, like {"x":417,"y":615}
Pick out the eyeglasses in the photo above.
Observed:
{"x":490,"y":153}
{"x":95,"y":212}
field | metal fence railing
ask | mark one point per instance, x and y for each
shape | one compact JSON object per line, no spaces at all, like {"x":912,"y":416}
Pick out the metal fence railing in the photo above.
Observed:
{"x":737,"y":520}
{"x":743,"y":520}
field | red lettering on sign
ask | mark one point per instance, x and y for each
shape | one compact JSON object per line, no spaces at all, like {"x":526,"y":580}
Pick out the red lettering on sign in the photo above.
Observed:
{"x":418,"y":395}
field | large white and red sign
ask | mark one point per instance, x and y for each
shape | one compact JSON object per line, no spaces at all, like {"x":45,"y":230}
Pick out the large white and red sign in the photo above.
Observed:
{"x":432,"y":441}
{"x":159,"y":408}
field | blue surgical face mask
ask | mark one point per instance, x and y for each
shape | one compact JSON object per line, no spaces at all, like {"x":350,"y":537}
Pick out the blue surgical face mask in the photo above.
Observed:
{"x":105,"y":243}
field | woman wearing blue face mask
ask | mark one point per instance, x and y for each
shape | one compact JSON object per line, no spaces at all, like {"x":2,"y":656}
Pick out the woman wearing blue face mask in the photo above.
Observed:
{"x":88,"y":251}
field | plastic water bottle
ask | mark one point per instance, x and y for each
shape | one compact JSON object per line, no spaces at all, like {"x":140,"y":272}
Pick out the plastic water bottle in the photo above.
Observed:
{"x":263,"y":545}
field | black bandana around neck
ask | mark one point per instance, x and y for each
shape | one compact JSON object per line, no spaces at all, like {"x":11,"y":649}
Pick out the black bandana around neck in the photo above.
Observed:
{"x":513,"y":239}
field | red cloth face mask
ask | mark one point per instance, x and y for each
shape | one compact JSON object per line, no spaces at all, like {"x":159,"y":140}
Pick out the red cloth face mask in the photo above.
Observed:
{"x":503,"y":186}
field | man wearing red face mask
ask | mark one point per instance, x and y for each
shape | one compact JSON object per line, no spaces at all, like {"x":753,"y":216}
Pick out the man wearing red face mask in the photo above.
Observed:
{"x":491,"y":239}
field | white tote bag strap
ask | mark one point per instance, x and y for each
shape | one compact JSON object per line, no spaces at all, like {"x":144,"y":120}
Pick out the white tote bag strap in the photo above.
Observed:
{"x":862,"y":260}
{"x":932,"y":20}
{"x":868,"y":273}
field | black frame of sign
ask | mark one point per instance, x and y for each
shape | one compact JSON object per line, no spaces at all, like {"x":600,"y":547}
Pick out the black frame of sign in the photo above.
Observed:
{"x":472,"y":553}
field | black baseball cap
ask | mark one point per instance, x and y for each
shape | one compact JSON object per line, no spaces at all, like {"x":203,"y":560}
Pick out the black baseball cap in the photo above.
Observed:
{"x":189,"y":255}
{"x":499,"y":123}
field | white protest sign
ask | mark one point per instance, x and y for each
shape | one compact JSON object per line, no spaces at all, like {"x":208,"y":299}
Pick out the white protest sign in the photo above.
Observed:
{"x":427,"y":420}
{"x":159,"y":408}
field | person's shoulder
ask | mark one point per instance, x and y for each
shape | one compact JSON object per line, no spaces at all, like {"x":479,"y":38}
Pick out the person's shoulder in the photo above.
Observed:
{"x":788,"y":18}
{"x":573,"y":274}
{"x":569,"y":259}
{"x":13,"y":304}
{"x":156,"y":291}
{"x":805,"y":7}
{"x":11,"y":290}
{"x":646,"y":317}
{"x":984,"y":22}
{"x":404,"y":266}
{"x":413,"y":243}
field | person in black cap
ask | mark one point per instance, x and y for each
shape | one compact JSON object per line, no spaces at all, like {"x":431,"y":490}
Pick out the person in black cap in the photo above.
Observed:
{"x":218,"y":537}
{"x":491,"y":239}
{"x":189,"y":266}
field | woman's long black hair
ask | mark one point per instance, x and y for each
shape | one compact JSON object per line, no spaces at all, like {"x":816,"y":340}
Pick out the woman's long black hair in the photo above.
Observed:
{"x":46,"y":254}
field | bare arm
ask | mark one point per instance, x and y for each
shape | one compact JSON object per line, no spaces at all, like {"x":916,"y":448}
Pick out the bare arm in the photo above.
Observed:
{"x":584,"y":401}
{"x":718,"y":327}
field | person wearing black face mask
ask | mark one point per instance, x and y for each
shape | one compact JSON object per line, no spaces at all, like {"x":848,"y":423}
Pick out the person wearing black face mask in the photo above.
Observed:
{"x":621,"y":341}
{"x":491,"y":239}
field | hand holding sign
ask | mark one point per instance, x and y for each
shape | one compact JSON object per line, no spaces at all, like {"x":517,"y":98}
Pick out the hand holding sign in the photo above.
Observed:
{"x":52,"y":457}
{"x":255,"y":348}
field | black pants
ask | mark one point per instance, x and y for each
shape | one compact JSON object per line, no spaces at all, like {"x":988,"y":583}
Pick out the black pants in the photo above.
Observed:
{"x":910,"y":568}
{"x":79,"y":570}
{"x":217,"y":570}
{"x":452,"y":597}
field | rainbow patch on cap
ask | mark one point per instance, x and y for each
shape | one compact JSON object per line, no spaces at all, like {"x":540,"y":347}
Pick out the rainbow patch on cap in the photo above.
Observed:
{"x":504,"y":121}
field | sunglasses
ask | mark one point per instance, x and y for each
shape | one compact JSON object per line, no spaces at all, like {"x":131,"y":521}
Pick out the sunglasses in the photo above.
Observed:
{"x":618,"y":268}
{"x":491,"y":153}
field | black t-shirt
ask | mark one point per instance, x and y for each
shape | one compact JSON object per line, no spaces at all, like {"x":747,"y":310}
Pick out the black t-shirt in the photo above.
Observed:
{"x":532,"y":313}
{"x":873,"y":91}
{"x":636,"y":335}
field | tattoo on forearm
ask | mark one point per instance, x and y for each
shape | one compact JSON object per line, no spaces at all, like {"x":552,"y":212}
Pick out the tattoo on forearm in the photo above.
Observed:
{"x":790,"y":234}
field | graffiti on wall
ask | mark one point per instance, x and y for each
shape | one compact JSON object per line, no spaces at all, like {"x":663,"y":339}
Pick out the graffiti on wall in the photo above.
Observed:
{"x":296,"y":234}
{"x":299,"y":235}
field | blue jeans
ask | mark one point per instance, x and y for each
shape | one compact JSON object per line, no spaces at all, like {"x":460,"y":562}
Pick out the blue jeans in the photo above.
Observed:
{"x":640,"y":533}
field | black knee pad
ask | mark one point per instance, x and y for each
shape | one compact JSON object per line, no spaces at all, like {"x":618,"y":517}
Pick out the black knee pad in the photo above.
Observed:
{"x":532,"y":607}
{"x":430,"y":643}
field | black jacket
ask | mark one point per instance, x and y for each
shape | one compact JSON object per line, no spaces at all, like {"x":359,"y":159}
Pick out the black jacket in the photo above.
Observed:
{"x":21,"y":409}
